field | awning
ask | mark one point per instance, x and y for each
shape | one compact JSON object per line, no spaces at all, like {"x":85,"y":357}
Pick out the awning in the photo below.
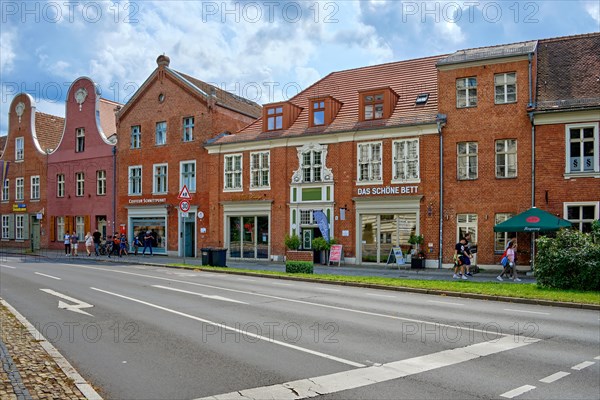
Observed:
{"x":532,"y":220}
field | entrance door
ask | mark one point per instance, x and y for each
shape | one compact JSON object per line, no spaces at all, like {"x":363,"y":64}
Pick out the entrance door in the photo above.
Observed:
{"x":379,"y":233}
{"x":248,"y":237}
{"x":101,"y":224}
{"x":188,"y":244}
{"x":35,"y":233}
{"x":307,"y":237}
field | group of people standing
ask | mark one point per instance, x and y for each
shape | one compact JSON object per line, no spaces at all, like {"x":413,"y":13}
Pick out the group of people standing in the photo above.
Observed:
{"x":117,"y":245}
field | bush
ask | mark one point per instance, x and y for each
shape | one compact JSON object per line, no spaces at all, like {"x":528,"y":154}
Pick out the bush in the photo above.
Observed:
{"x":569,"y":261}
{"x":319,"y":244}
{"x":292,"y":242}
{"x":299,"y":267}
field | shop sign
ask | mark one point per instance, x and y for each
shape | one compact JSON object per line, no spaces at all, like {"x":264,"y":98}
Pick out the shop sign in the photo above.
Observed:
{"x":387,"y":190}
{"x":147,"y":201}
{"x":19,"y":207}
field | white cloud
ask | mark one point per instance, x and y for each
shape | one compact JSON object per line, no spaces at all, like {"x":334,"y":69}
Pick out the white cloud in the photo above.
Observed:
{"x":7,"y":44}
{"x":593,"y":9}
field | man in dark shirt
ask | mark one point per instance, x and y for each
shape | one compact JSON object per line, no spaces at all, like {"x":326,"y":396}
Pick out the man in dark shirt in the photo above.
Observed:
{"x":461,"y":258}
{"x":97,"y":237}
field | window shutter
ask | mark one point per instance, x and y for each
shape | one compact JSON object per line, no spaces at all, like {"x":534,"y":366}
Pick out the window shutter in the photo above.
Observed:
{"x":11,"y":226}
{"x":68,"y":223}
{"x":26,"y":222}
{"x":52,"y":229}
{"x":86,"y":224}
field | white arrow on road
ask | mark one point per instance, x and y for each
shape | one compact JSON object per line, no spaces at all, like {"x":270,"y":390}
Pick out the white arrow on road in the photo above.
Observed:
{"x":206,"y":296}
{"x":77,"y":307}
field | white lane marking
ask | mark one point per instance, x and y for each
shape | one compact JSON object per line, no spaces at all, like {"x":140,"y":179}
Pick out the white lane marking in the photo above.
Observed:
{"x":7,"y":266}
{"x":226,"y":327}
{"x":445,"y":302}
{"x":467,"y":328}
{"x":583,"y":365}
{"x":206,"y":296}
{"x":525,"y":311}
{"x":48,"y":276}
{"x":281,"y":284}
{"x":88,"y":390}
{"x":347,"y":380}
{"x":517,"y":392}
{"x":246,"y":279}
{"x":328,"y":289}
{"x":555,"y":377}
{"x":380,"y":295}
{"x":77,"y":307}
{"x":597,"y":358}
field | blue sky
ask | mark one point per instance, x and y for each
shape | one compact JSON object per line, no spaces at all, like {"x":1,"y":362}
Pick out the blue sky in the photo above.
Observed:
{"x":264,"y":50}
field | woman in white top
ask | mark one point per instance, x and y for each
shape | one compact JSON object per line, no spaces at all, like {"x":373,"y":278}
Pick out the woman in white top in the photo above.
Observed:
{"x":510,"y":254}
{"x":89,"y":243}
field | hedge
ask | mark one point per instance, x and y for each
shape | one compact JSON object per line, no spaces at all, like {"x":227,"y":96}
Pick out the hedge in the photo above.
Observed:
{"x":299,"y":267}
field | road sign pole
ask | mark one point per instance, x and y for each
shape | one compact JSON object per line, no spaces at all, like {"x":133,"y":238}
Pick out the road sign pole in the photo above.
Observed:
{"x":183,"y":228}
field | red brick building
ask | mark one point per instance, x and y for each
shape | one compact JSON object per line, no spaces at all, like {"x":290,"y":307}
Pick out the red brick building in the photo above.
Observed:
{"x":567,"y":136}
{"x":81,"y":167}
{"x":161,"y":131}
{"x":361,"y":145}
{"x":23,"y":203}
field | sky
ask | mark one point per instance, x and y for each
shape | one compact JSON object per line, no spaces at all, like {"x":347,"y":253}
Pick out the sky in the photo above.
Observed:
{"x":266,"y":51}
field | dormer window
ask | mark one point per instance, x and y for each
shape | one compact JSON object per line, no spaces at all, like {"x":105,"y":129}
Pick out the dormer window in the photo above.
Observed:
{"x":378,"y":103}
{"x":422,"y":99}
{"x":80,"y":140}
{"x":373,"y":106}
{"x":274,"y":118}
{"x":318,"y":112}
{"x":322,"y":111}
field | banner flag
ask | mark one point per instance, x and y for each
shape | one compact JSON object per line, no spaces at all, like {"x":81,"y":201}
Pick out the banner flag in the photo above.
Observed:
{"x":321,"y":220}
{"x":3,"y":172}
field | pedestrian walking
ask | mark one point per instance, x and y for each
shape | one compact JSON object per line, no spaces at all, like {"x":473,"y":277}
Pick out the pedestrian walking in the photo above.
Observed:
{"x":123,"y":245}
{"x":67,"y":240}
{"x":468,"y":250}
{"x":89,"y":243}
{"x":74,"y":243}
{"x":136,"y":244}
{"x":462,"y":258}
{"x":511,"y":254}
{"x":97,"y":241}
{"x":148,"y":241}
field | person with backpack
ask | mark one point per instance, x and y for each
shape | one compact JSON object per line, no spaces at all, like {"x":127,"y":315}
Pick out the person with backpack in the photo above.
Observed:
{"x":508,"y":262}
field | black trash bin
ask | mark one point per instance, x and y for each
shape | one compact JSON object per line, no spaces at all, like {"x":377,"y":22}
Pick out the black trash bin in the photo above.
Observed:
{"x":219,"y":257}
{"x":207,"y":256}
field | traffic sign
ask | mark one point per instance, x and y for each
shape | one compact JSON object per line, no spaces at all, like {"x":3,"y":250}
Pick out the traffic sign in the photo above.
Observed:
{"x":184,"y":205}
{"x":184,"y":193}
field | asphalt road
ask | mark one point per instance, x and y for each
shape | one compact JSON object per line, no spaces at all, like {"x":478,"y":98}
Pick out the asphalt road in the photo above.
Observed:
{"x":139,"y":332}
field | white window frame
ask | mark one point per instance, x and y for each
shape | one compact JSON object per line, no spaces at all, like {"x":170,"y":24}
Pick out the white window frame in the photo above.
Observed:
{"x":79,"y":140}
{"x":405,"y":160}
{"x":34,"y":187}
{"x":20,"y":227}
{"x":19,"y":149}
{"x":101,"y":182}
{"x":5,"y":226}
{"x":60,"y":228}
{"x":464,"y":85}
{"x":506,"y":155}
{"x":596,"y":157}
{"x":80,"y":226}
{"x":20,"y":189}
{"x":136,"y":137}
{"x":373,"y":163}
{"x":60,"y":185}
{"x":79,"y":184}
{"x":258,"y":171}
{"x":160,"y":181}
{"x":312,"y":168}
{"x":134,"y":189}
{"x":161,"y":133}
{"x":503,"y":82}
{"x":467,"y":156}
{"x":578,"y":222}
{"x":188,"y":129}
{"x":236,"y":181}
{"x":468,"y":225}
{"x":6,"y":190}
{"x":187,"y":177}
{"x":502,"y":237}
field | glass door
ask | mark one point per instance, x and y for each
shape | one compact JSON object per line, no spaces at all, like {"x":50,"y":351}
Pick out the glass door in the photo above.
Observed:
{"x":262,"y":237}
{"x":235,"y":237}
{"x":248,"y":245}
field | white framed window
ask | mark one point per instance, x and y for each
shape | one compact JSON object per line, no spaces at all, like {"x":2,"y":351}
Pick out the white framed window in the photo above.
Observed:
{"x":582,"y":214}
{"x":20,"y":189}
{"x":312,"y":166}
{"x":505,"y":88}
{"x":501,"y":238}
{"x":161,"y":133}
{"x":80,"y":226}
{"x":160,"y":178}
{"x":260,"y":170}
{"x":60,"y":185}
{"x":274,"y":118}
{"x":506,"y":158}
{"x":135,"y":180}
{"x":101,"y":183}
{"x":188,"y":129}
{"x":60,"y":227}
{"x":307,"y":217}
{"x":406,"y":161}
{"x":5,"y":190}
{"x":369,"y":162}
{"x":79,"y":140}
{"x":19,"y":149}
{"x":136,"y":137}
{"x":466,"y":92}
{"x":35,"y":187}
{"x":79,"y":184}
{"x":466,"y":223}
{"x":20,"y":227}
{"x":5,"y":227}
{"x":583,"y":149}
{"x":233,"y":172}
{"x":467,"y":160}
{"x":188,"y":175}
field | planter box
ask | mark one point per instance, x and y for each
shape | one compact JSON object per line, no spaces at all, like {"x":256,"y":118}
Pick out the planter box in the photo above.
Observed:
{"x":299,"y":255}
{"x":417,"y":263}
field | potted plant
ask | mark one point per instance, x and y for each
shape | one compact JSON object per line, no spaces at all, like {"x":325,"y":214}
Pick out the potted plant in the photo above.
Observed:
{"x":292,"y":242}
{"x":417,"y":261}
{"x":321,"y":246}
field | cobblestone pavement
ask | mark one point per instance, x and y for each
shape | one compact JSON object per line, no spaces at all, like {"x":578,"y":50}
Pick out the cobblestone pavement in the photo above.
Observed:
{"x":28,"y":371}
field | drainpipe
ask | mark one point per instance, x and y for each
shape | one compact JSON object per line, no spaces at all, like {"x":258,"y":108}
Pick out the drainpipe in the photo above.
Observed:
{"x":114,"y":154}
{"x":531,"y":119}
{"x":441,"y":121}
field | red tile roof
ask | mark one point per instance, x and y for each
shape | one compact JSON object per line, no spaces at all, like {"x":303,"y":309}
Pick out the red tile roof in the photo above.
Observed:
{"x":108,"y":119}
{"x":568,"y":72}
{"x":2,"y":144}
{"x":49,"y":130}
{"x":406,"y":78}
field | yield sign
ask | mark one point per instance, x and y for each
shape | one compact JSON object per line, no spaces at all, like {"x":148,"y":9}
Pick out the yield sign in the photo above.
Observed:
{"x":184,"y":194}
